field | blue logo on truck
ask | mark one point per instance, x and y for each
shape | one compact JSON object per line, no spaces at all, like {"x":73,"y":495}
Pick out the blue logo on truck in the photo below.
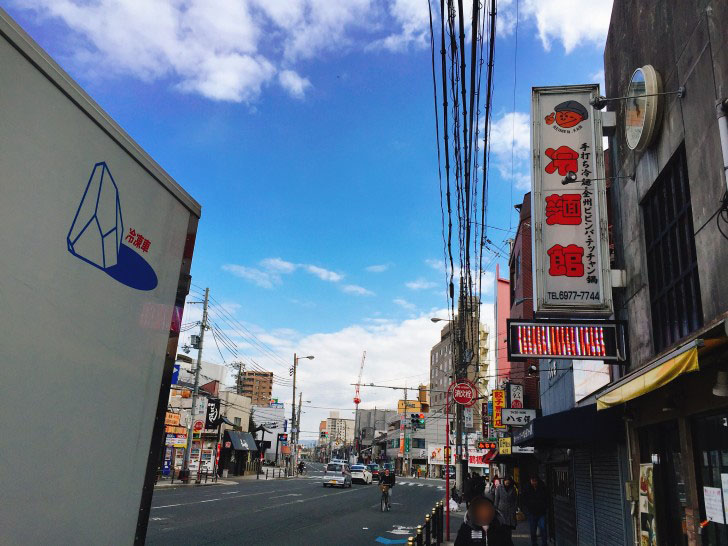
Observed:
{"x":97,"y":234}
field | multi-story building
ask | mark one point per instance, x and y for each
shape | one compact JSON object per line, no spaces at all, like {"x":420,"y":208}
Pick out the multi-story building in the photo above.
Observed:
{"x":340,"y":431}
{"x":370,"y":423}
{"x":257,"y":385}
{"x":442,"y":357}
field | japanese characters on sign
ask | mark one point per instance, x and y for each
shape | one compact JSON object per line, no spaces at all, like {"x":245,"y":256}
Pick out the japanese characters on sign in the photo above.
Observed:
{"x":518,"y":417}
{"x":516,"y":395}
{"x":138,"y":240}
{"x":571,"y":253}
{"x":499,"y":402}
{"x":504,"y":446}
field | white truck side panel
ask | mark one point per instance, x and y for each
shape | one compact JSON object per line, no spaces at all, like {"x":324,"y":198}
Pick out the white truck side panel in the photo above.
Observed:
{"x":84,"y":323}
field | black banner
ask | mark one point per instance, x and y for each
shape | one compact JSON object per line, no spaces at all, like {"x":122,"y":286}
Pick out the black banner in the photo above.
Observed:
{"x":213,"y":413}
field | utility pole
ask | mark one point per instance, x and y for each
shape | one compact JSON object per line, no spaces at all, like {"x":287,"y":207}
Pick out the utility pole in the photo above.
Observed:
{"x":293,"y":413}
{"x":298,"y":426}
{"x":203,"y":327}
{"x":404,"y":448}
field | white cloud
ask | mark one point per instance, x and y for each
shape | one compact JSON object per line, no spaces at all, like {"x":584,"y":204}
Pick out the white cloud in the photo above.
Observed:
{"x":420,"y":284}
{"x":271,"y":269}
{"x":404,"y":304}
{"x":571,"y":22}
{"x":277,"y":264}
{"x":356,"y":289}
{"x":598,"y":77}
{"x":413,"y":18}
{"x":264,"y":279}
{"x":226,"y":50}
{"x":510,"y":141}
{"x":378,"y":268}
{"x":293,"y":83}
{"x":323,"y":274}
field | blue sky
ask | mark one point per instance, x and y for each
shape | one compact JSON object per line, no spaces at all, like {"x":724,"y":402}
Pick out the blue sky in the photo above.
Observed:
{"x":305,"y":129}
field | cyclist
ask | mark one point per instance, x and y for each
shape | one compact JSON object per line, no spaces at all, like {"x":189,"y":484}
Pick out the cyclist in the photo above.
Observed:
{"x":301,"y":467}
{"x":387,"y":479}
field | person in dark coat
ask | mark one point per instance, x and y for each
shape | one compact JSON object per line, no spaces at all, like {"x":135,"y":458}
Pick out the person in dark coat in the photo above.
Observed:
{"x":473,"y":487}
{"x":506,"y":502}
{"x":534,"y":502}
{"x":483,"y":526}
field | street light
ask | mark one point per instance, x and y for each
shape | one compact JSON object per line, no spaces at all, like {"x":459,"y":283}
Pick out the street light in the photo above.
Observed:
{"x":436,"y":319}
{"x":294,"y":435}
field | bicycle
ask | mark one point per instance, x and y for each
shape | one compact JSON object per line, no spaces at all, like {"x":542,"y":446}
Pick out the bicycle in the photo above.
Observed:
{"x":385,"y":505}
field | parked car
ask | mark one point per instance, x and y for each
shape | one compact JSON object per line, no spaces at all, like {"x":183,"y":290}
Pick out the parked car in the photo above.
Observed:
{"x":361,"y":473}
{"x":337,"y":474}
{"x":374,"y":469}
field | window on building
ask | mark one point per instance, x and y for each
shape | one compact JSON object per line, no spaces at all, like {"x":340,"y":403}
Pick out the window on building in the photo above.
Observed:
{"x":671,"y":259}
{"x":237,"y":421}
{"x":418,"y":443}
{"x":561,"y":482}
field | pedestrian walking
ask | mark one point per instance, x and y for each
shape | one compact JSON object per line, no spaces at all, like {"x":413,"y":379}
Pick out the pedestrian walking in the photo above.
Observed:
{"x":534,"y":503}
{"x":473,"y":487}
{"x":506,"y":502}
{"x":483,"y":526}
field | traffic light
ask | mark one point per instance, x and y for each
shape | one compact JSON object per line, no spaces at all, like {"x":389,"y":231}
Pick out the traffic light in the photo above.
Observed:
{"x":414,"y":420}
{"x":421,"y":420}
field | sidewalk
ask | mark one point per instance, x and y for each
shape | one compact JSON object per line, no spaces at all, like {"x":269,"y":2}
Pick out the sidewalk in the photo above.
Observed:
{"x":167,"y":484}
{"x":521,"y":534}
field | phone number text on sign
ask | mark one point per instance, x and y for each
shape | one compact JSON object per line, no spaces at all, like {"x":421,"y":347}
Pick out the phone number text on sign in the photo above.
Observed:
{"x":573,"y":295}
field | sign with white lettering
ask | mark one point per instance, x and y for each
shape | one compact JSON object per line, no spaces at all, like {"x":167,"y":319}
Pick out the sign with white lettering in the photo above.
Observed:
{"x":570,"y":232}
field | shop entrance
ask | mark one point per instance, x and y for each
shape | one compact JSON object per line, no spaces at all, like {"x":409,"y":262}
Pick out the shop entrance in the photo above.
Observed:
{"x":710,"y":443}
{"x":660,"y":447}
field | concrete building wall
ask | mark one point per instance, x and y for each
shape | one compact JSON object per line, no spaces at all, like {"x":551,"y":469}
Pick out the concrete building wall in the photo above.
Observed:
{"x":687,"y":44}
{"x":258,"y":386}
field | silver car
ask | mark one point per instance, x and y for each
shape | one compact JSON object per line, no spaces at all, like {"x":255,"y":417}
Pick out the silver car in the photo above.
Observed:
{"x":337,"y":474}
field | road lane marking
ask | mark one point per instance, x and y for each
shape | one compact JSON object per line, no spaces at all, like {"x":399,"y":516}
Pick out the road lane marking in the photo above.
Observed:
{"x":288,"y":495}
{"x":231,"y":492}
{"x":307,"y":499}
{"x":210,"y":500}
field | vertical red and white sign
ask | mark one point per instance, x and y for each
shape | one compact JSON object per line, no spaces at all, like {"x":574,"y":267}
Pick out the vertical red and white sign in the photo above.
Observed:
{"x":570,"y":231}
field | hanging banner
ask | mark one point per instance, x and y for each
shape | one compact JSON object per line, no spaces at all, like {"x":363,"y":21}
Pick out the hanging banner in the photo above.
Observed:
{"x":213,"y":413}
{"x":499,"y":402}
{"x":569,"y":210}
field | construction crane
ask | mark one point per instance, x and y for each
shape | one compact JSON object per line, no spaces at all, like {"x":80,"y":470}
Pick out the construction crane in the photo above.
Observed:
{"x":357,"y":399}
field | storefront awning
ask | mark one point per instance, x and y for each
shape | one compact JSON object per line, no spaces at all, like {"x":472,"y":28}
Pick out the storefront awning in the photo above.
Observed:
{"x":651,"y":377}
{"x":241,"y":441}
{"x":576,"y":425}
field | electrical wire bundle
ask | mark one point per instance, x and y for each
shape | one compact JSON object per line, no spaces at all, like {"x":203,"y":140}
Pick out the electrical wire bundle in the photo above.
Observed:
{"x":462,"y":194}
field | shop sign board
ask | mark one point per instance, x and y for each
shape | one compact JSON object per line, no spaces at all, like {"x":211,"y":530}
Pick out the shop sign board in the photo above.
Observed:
{"x":437,"y":455}
{"x":517,"y":417}
{"x":569,"y":207}
{"x":176,"y":440}
{"x":171,"y":419}
{"x":516,"y":395}
{"x":499,"y":402}
{"x":568,"y":339}
{"x":198,"y":426}
{"x":504,"y":446}
{"x":465,"y":393}
{"x":468,"y":417}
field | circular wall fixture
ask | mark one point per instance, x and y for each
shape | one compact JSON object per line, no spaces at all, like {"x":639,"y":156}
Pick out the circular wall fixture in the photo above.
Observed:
{"x":642,"y":108}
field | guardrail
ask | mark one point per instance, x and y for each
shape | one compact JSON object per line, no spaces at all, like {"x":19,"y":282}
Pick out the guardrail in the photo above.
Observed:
{"x":432,"y":532}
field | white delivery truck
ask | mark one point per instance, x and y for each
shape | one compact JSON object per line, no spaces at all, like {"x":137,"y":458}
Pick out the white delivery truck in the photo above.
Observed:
{"x":96,"y":242}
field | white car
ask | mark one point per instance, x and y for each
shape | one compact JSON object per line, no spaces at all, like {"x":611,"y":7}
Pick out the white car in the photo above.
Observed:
{"x":360,"y":472}
{"x":337,"y":474}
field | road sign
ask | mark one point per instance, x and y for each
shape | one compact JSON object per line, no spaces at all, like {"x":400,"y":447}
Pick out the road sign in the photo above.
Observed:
{"x":198,"y":426}
{"x":517,"y":417}
{"x":465,"y":393}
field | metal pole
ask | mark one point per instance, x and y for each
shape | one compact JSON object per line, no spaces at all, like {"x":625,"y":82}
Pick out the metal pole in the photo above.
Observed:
{"x":298,"y":426}
{"x":447,"y":463}
{"x":203,"y":327}
{"x":293,"y":411}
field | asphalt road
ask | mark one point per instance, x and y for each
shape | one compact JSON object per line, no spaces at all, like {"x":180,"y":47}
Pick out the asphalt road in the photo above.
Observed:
{"x":292,"y":511}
